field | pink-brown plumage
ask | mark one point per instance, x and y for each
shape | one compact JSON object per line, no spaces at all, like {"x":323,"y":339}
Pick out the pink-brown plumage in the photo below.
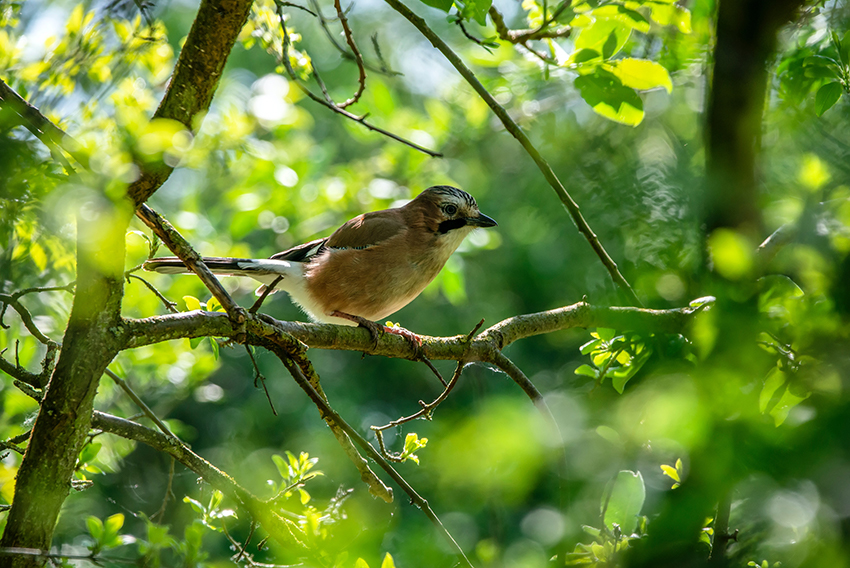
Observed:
{"x":370,"y":267}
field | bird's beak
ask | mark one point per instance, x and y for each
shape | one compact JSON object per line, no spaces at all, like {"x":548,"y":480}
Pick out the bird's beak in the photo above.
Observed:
{"x":481,"y":221}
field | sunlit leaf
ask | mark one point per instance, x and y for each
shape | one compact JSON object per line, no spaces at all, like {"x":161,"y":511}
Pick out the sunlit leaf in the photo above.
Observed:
{"x":642,"y":74}
{"x":608,"y":96}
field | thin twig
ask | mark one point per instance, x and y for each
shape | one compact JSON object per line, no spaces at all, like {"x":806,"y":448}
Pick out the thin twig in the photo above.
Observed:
{"x":140,"y":403}
{"x":26,"y":318}
{"x":349,"y":38}
{"x":169,"y":305}
{"x":168,"y":492}
{"x":427,"y":409}
{"x":284,"y":59}
{"x":258,"y":376}
{"x":517,"y":132}
{"x":184,"y":251}
{"x":40,"y":127}
{"x":268,"y":290}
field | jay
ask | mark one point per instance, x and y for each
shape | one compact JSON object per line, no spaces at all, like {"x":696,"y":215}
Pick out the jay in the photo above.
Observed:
{"x":370,"y":267}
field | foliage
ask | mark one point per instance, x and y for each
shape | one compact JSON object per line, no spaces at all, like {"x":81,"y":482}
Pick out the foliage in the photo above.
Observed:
{"x":749,"y":398}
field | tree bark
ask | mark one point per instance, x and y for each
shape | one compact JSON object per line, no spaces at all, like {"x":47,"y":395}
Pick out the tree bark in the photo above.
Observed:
{"x":95,"y":332}
{"x":92,"y":339}
{"x":746,"y":40}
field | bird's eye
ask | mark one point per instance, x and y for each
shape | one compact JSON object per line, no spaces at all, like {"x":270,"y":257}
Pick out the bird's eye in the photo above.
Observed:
{"x":450,"y":209}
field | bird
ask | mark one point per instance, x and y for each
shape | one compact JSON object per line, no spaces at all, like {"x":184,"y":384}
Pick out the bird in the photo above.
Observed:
{"x":369,"y":268}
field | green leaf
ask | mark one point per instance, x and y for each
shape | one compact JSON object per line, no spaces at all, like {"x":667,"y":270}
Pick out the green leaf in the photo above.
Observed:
{"x":790,"y":398}
{"x":668,"y":14}
{"x":114,"y":523}
{"x":589,"y":346}
{"x":196,"y":505}
{"x":587,"y":371}
{"x":772,"y":382}
{"x":388,"y":561}
{"x":605,"y":333}
{"x":95,"y":527}
{"x":604,"y":36}
{"x":827,"y":96}
{"x":626,"y":500}
{"x":623,"y":15}
{"x":477,"y":10}
{"x":360,"y":563}
{"x":89,"y":452}
{"x":195,"y":341}
{"x":642,"y":74}
{"x":282,"y":467}
{"x":192,"y":303}
{"x":444,"y":5}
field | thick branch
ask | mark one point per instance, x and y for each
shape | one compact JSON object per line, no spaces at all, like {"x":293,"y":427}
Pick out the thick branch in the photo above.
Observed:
{"x":299,"y":335}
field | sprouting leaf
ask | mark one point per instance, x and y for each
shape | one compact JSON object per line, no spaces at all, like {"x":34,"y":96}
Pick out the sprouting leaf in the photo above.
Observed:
{"x":587,"y":371}
{"x":192,"y":303}
{"x":670,"y":472}
{"x":388,"y":561}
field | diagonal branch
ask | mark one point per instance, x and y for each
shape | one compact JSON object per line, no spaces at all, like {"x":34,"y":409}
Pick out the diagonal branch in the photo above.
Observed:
{"x":349,"y":38}
{"x":195,"y":79}
{"x":517,"y":132}
{"x":51,"y":135}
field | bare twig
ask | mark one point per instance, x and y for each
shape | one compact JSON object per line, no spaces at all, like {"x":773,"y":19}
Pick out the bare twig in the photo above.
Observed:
{"x":349,"y":38}
{"x":521,"y":37}
{"x":26,"y":318}
{"x":284,"y":59}
{"x":169,"y":305}
{"x":427,"y":409}
{"x":268,"y":290}
{"x":259,"y":377}
{"x":169,"y":494}
{"x":517,"y":132}
{"x":140,"y":403}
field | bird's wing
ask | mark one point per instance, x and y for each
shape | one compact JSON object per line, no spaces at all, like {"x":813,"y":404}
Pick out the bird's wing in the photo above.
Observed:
{"x":366,"y":230}
{"x":302,"y":253}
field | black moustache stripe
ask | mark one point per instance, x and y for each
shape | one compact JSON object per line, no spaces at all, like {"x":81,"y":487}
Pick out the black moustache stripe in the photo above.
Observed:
{"x":451,"y":224}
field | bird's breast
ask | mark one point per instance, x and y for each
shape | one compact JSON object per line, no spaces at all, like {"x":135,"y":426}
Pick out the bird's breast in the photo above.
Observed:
{"x":373,"y":282}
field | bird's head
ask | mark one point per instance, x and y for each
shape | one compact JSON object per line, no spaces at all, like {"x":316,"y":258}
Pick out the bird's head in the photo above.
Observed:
{"x":449,"y":209}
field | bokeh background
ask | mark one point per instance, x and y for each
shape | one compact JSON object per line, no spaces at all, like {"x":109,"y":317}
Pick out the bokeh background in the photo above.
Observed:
{"x":270,"y":169}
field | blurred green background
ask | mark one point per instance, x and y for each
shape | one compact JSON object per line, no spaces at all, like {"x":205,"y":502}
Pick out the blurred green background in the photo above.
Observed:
{"x":270,"y":169}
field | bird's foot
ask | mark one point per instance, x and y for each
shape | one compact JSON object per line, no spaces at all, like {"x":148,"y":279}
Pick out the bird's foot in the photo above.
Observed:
{"x":414,"y":340}
{"x":377,"y":330}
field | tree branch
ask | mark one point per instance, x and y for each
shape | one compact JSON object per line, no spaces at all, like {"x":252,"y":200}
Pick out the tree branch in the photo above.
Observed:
{"x":195,"y":79}
{"x":278,"y":527}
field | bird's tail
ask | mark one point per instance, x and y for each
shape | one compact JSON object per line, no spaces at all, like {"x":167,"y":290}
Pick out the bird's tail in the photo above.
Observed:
{"x":282,"y":273}
{"x":216,"y":264}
